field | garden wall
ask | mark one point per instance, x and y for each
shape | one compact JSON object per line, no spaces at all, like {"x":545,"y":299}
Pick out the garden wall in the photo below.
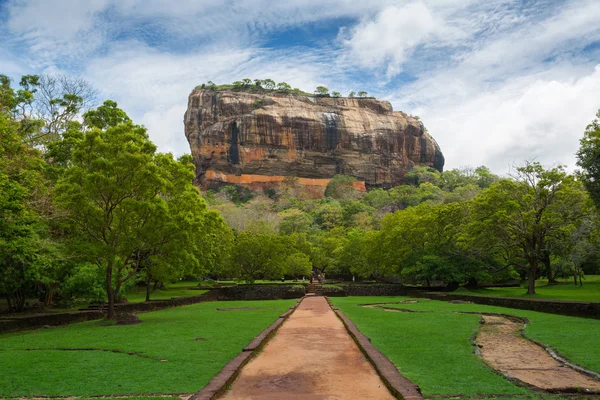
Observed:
{"x":260,"y":292}
{"x":37,"y":321}
{"x":571,"y":308}
{"x":375,"y":289}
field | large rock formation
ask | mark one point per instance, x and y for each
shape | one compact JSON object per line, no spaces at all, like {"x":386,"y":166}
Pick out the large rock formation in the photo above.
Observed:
{"x":260,"y":140}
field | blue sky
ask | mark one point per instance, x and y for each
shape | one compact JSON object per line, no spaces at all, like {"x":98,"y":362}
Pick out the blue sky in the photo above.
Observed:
{"x":495,"y":82}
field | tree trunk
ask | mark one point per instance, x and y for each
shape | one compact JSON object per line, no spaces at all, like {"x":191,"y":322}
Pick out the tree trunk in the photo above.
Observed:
{"x":10,"y":307}
{"x":472,"y":283}
{"x":19,"y":300}
{"x":148,"y":281}
{"x":575,"y":279}
{"x":580,"y":280}
{"x":109,"y":290}
{"x":532,"y":276}
{"x":548,"y":265}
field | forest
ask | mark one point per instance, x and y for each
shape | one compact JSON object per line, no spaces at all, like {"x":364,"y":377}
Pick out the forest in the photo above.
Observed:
{"x":90,"y":209}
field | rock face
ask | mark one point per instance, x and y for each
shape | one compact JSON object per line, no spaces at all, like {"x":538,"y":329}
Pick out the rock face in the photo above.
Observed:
{"x":262,"y":140}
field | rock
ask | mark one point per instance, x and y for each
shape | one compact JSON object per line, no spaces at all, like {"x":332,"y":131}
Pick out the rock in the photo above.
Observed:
{"x":263,"y":141}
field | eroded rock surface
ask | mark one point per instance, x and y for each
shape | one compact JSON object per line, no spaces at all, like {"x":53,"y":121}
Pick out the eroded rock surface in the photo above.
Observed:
{"x":262,"y":140}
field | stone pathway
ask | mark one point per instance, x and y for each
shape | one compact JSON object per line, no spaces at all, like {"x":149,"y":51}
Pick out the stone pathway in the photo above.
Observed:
{"x":312,"y":356}
{"x":503,"y":347}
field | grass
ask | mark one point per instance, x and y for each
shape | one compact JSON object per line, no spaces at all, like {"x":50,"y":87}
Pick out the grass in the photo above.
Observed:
{"x":165,"y":335}
{"x":564,"y":290}
{"x":179,"y":289}
{"x":434,"y":348}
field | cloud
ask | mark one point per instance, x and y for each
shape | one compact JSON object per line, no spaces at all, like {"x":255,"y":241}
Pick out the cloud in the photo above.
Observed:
{"x":391,"y":36}
{"x":530,"y":118}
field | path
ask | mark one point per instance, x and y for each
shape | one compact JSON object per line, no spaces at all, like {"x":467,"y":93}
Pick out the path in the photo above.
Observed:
{"x":503,"y":347}
{"x":312,"y":356}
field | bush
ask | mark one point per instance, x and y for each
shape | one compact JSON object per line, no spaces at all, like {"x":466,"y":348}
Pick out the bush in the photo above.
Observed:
{"x":85,"y":284}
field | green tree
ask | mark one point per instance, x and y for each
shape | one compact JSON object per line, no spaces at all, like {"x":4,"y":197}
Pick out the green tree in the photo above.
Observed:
{"x":322,"y":91}
{"x":336,"y":94}
{"x":352,"y":94}
{"x":342,"y":187}
{"x":284,"y":87}
{"x":269,"y":84}
{"x":298,"y":264}
{"x":516,"y":218}
{"x":257,"y":255}
{"x":125,"y":202}
{"x":108,"y":114}
{"x":362,"y":93}
{"x":588,"y":158}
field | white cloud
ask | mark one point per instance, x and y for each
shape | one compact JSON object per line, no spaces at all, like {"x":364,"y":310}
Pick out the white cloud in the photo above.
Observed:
{"x":530,"y":118}
{"x":389,"y":38}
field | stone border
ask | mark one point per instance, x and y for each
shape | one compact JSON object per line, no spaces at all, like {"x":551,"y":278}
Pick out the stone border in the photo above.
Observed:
{"x":18,"y":324}
{"x":219,"y":383}
{"x":399,"y":385}
{"x":561,"y":307}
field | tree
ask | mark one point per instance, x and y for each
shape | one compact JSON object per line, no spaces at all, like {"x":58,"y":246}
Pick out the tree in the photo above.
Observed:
{"x":362,"y":93}
{"x":258,"y":83}
{"x":322,"y":91}
{"x":108,"y":114}
{"x":298,"y":264}
{"x":129,"y":204}
{"x":515,"y":219}
{"x":284,"y":87}
{"x":26,"y":248}
{"x":247,"y":82}
{"x":342,"y":187}
{"x":269,"y":84}
{"x":60,"y":99}
{"x":257,"y":255}
{"x":352,"y":94}
{"x":588,"y":158}
{"x":336,"y":94}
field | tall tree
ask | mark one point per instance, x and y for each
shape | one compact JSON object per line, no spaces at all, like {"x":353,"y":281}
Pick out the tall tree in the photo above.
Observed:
{"x":588,"y":158}
{"x":518,"y":217}
{"x":129,"y":204}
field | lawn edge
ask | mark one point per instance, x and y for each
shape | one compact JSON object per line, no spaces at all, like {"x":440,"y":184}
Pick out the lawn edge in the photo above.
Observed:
{"x":398,"y":384}
{"x":220,"y":382}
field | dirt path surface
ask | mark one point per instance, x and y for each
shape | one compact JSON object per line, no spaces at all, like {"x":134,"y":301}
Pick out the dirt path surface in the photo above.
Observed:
{"x":503,"y":347}
{"x":311,"y":357}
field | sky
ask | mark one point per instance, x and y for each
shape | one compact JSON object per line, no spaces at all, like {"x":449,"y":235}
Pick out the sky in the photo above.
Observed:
{"x":495,"y":82}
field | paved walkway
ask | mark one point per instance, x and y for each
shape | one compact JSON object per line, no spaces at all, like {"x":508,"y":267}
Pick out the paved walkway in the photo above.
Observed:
{"x":312,"y":356}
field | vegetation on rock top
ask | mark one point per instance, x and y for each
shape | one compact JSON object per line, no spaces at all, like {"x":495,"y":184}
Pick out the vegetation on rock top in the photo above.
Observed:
{"x":263,"y":86}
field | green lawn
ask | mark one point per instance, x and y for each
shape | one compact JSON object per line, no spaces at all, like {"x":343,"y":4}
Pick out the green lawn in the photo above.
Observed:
{"x":165,"y":335}
{"x":433,"y":348}
{"x":173,"y":290}
{"x":565,"y":290}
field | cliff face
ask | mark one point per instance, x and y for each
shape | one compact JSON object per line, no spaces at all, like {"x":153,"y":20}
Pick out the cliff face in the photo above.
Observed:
{"x":258,"y":140}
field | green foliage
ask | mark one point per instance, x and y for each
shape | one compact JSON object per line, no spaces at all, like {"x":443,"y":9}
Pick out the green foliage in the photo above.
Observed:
{"x":237,"y":194}
{"x":352,"y":94}
{"x":298,"y":264}
{"x":133,"y":209}
{"x":322,"y":91}
{"x":516,"y":220}
{"x":336,"y":94}
{"x":258,"y":255}
{"x":107,"y":115}
{"x":588,"y":158}
{"x":362,"y":93}
{"x":341,"y":187}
